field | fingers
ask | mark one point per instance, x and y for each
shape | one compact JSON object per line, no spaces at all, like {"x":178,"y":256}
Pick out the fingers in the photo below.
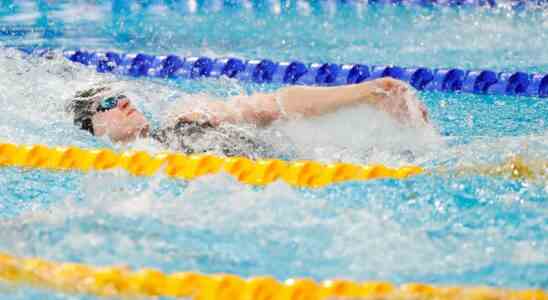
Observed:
{"x":194,"y":117}
{"x":396,"y":86}
{"x":424,"y":112}
{"x":395,"y":99}
{"x":203,"y":117}
{"x":399,"y":89}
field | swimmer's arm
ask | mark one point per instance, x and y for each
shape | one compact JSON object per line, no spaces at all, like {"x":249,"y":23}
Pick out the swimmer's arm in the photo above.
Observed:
{"x":294,"y":102}
{"x":301,"y":101}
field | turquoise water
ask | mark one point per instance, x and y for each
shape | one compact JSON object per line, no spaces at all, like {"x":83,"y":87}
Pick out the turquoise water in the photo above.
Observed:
{"x":443,"y":229}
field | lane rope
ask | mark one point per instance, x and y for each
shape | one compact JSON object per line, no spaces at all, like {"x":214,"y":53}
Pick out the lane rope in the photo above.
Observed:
{"x":305,"y":174}
{"x":263,"y":71}
{"x":476,"y":81}
{"x":122,"y":281}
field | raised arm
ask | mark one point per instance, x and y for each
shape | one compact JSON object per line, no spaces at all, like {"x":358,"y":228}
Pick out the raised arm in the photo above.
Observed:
{"x":293,"y":102}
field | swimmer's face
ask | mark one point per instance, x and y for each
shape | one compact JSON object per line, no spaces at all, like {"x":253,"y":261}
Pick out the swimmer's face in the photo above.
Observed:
{"x":117,"y":118}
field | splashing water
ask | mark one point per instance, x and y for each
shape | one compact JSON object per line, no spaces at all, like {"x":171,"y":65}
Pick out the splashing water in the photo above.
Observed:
{"x":428,"y":228}
{"x":440,"y":228}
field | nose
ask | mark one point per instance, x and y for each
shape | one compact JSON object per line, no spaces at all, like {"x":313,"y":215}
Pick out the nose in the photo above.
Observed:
{"x":124,"y":103}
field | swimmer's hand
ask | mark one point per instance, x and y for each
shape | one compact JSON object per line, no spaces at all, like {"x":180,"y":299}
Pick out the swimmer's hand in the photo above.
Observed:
{"x":396,"y":98}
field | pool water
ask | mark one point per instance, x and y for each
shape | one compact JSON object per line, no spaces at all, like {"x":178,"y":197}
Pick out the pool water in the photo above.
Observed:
{"x":444,"y":229}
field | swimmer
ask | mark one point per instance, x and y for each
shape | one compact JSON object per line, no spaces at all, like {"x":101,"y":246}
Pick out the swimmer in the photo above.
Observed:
{"x":102,"y":111}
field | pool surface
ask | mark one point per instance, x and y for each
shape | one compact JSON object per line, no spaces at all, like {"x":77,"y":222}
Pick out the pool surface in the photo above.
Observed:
{"x":466,"y":229}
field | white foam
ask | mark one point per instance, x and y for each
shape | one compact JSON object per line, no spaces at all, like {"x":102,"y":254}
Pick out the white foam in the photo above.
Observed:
{"x":361,"y":232}
{"x":355,"y":134}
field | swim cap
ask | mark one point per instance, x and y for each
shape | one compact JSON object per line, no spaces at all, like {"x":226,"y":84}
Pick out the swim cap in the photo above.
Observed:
{"x":81,"y":106}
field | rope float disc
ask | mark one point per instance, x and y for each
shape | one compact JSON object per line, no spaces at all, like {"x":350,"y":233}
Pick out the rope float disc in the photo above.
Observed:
{"x":306,"y":174}
{"x":123,"y":282}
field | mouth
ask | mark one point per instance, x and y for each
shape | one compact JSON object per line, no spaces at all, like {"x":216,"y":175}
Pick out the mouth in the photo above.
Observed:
{"x":144,"y":131}
{"x":131,"y":111}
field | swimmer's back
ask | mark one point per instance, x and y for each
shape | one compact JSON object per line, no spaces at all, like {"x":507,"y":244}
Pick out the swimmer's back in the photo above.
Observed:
{"x":227,"y":140}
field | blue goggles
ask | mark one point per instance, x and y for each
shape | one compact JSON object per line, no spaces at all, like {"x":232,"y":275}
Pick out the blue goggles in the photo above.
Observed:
{"x":109,"y":103}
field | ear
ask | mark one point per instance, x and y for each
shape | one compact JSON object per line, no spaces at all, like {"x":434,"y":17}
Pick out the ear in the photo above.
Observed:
{"x":97,"y":125}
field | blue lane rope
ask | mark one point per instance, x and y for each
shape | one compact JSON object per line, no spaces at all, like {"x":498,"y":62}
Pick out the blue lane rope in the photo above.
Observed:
{"x":298,"y":73}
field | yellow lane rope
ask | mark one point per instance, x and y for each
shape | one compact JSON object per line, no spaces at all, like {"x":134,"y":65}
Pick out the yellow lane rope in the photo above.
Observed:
{"x":309,"y":174}
{"x":121,"y":281}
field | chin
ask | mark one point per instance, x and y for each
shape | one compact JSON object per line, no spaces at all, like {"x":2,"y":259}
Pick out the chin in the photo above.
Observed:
{"x":138,"y":119}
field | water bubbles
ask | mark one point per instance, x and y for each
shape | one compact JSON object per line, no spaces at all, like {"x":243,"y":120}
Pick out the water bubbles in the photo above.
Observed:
{"x":443,"y":104}
{"x":470,"y":121}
